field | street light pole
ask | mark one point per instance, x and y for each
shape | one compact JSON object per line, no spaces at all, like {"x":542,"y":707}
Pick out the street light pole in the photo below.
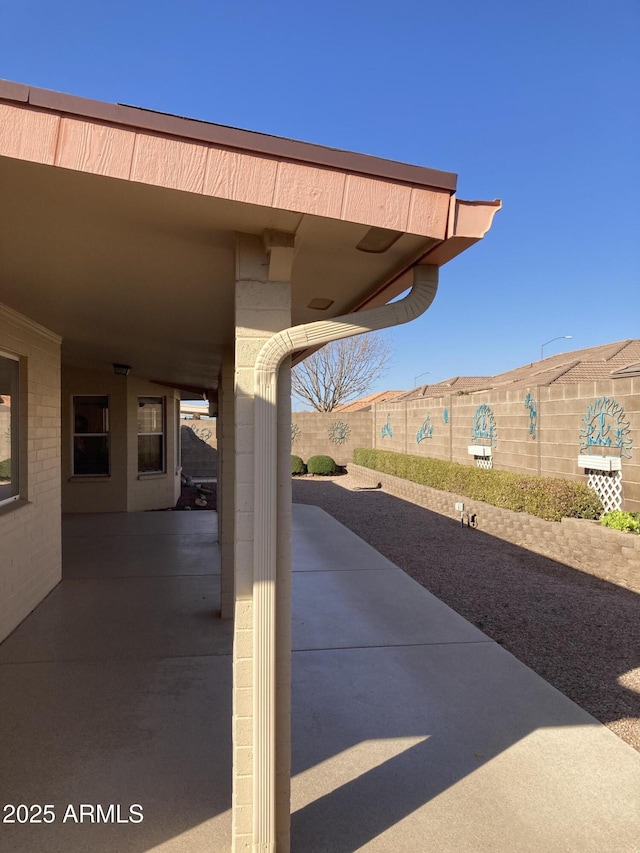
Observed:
{"x":559,"y":338}
{"x":415,"y":380}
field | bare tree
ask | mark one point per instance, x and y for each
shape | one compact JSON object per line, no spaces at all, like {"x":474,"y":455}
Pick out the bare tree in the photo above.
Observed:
{"x":341,"y":370}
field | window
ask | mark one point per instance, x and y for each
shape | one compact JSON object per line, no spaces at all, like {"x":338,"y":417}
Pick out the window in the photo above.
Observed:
{"x":91,"y":436}
{"x":151,"y":435}
{"x":9,"y":428}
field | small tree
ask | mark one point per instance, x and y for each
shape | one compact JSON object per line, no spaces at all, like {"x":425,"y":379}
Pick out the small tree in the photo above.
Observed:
{"x":341,"y":370}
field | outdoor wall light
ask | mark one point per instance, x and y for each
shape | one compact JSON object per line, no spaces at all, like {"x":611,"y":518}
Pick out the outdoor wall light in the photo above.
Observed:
{"x":121,"y":369}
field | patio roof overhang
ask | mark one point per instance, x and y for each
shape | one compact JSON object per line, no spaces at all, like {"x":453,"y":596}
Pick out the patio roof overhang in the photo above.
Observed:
{"x":117,"y":228}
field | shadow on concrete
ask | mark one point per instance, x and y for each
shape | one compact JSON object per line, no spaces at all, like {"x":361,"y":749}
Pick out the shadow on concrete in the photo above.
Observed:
{"x":459,"y":737}
{"x":578,"y":632}
{"x":117,"y":690}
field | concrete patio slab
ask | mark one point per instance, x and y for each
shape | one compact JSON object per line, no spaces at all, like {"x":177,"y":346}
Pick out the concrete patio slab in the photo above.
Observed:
{"x":443,"y":746}
{"x":452,"y":748}
{"x":412,"y":731}
{"x":140,"y":556}
{"x":123,"y":618}
{"x":313,"y":551}
{"x":347,"y":609}
{"x":139,"y":523}
{"x":154,"y":733}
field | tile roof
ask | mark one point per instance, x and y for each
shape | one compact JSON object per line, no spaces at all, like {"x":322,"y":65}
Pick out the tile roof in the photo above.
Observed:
{"x":606,"y":361}
{"x":457,"y":384}
{"x":364,"y":403}
{"x":585,"y":365}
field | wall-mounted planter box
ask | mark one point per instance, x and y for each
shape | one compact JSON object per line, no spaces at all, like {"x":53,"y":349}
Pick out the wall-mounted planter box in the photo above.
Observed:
{"x":478,"y":450}
{"x":599,"y":463}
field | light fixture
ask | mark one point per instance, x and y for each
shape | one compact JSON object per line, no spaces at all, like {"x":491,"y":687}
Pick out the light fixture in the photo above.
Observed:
{"x":378,"y":240}
{"x":415,"y":381}
{"x":121,"y":369}
{"x":559,"y":338}
{"x":320,"y":304}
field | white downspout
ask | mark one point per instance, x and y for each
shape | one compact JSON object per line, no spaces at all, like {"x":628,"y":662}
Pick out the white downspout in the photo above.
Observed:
{"x":271,"y":356}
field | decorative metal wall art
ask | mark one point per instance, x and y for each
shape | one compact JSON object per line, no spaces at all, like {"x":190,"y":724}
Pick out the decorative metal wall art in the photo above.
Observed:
{"x":425,"y":431}
{"x":605,"y":425}
{"x":445,"y":416}
{"x":530,"y":403}
{"x":203,"y":433}
{"x":484,"y":425}
{"x":387,"y":429}
{"x":339,"y":432}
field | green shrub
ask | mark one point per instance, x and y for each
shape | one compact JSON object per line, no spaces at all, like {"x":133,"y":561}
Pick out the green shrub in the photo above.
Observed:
{"x":323,"y":465}
{"x":627,"y":521}
{"x":5,"y":469}
{"x":297,"y":465}
{"x":547,"y":497}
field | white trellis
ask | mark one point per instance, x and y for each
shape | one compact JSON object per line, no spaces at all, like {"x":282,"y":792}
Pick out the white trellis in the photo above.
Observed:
{"x":608,"y":486}
{"x":484,"y":461}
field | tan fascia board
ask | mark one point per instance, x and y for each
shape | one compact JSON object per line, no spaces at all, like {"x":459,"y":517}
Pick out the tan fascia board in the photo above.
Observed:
{"x":468,"y":223}
{"x":189,"y":129}
{"x":338,"y":188}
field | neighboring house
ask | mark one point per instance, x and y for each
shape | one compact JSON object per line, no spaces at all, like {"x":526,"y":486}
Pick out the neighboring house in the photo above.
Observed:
{"x":145,"y":258}
{"x":606,"y":361}
{"x":364,"y":404}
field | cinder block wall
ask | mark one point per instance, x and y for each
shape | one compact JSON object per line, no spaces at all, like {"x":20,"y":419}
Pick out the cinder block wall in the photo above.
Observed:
{"x":334,"y":434}
{"x":199,"y":447}
{"x":535,"y":435}
{"x":549,"y":444}
{"x":31,"y":562}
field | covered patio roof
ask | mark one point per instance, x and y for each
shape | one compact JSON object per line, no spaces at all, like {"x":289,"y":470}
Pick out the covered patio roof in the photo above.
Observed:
{"x":118,"y":224}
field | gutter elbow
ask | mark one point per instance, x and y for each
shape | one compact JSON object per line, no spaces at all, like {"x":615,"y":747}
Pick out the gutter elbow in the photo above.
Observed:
{"x":288,"y":341}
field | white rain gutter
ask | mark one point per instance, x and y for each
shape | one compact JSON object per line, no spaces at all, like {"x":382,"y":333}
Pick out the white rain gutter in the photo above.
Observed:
{"x":270,"y":358}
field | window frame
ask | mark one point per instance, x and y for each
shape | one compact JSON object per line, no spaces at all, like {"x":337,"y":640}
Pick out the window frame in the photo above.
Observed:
{"x":15,"y":424}
{"x":163,"y":436}
{"x":75,"y":435}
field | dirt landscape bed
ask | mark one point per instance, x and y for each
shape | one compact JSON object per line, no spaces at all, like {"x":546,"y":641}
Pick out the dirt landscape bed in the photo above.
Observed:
{"x":579,"y":632}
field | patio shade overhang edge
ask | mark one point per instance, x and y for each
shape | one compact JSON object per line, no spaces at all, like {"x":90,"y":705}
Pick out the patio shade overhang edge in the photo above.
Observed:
{"x":139,"y":118}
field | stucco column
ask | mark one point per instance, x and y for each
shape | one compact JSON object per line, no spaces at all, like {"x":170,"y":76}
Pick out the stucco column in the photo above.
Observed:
{"x":262,"y":307}
{"x":226,"y":483}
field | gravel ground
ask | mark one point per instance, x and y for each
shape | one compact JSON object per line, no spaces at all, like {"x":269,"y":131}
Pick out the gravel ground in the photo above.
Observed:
{"x":579,"y":633}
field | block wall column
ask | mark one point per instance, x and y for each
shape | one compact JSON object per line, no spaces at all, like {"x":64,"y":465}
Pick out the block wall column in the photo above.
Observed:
{"x":262,"y":307}
{"x":226,"y":484}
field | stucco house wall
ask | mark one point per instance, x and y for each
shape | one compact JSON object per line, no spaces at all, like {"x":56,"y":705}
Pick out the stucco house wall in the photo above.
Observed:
{"x":30,"y":558}
{"x":124,"y":490}
{"x":153,"y":491}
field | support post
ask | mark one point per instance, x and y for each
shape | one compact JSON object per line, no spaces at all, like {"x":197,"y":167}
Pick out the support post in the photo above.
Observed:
{"x":226,"y":484}
{"x":262,"y":645}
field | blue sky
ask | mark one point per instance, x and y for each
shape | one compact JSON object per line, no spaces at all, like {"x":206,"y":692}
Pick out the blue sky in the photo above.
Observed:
{"x":533,"y":103}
